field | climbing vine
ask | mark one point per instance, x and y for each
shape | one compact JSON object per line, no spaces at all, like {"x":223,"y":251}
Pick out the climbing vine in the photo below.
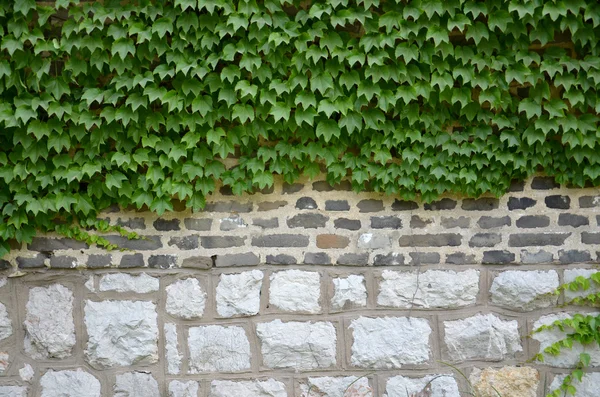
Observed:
{"x":140,"y":102}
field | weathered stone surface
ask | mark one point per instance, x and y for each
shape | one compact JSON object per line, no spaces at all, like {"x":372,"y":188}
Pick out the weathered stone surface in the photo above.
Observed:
{"x":135,"y":384}
{"x":498,"y":257}
{"x":132,"y":223}
{"x":373,"y":241}
{"x":306,"y":203}
{"x":212,"y":242}
{"x":439,"y":385}
{"x":280,"y":240}
{"x":430,"y":289}
{"x":572,"y":220}
{"x":541,"y":256}
{"x":349,"y":386}
{"x":520,"y":203}
{"x":537,"y":239}
{"x":53,"y":244}
{"x":19,"y":391}
{"x":482,"y":337}
{"x":148,"y":243}
{"x":389,"y":342}
{"x":401,"y":205}
{"x":186,"y":299}
{"x":184,"y":243}
{"x":49,"y":325}
{"x":266,"y":223}
{"x":482,"y":204}
{"x":76,"y":383}
{"x":533,"y":221}
{"x":349,"y":292}
{"x":485,"y":240}
{"x":271,"y":205}
{"x":525,"y":290}
{"x":391,"y":259}
{"x":123,"y":282}
{"x":121,"y":333}
{"x":98,"y":261}
{"x":295,"y":290}
{"x":571,"y":274}
{"x":131,"y":261}
{"x":558,"y":201}
{"x":431,"y":240}
{"x":257,"y":388}
{"x":281,"y":259}
{"x":297,"y":345}
{"x":507,"y":381}
{"x":424,"y":258}
{"x":228,"y":206}
{"x":165,"y":225}
{"x":307,"y":221}
{"x":243,"y":259}
{"x":441,"y":205}
{"x":386,"y":222}
{"x":239,"y":294}
{"x":350,"y":259}
{"x":215,"y":348}
{"x":317,"y":258}
{"x":288,"y":188}
{"x":589,"y":201}
{"x":26,"y":373}
{"x":30,"y":263}
{"x":348,"y":224}
{"x":544,"y":183}
{"x":590,"y":238}
{"x":416,"y":222}
{"x":574,"y":256}
{"x":370,"y":205}
{"x":64,"y":262}
{"x":461,"y":222}
{"x":588,"y":387}
{"x":201,"y":225}
{"x":179,"y":388}
{"x":197,"y":262}
{"x":490,"y":222}
{"x":172,"y":350}
{"x":460,"y":258}
{"x":5,"y":323}
{"x":162,"y":261}
{"x":337,"y":205}
{"x":328,"y":241}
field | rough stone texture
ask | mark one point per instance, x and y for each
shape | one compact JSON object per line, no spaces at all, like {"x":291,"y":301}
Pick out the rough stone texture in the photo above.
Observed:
{"x":5,"y":323}
{"x":482,"y":204}
{"x":51,"y":244}
{"x":266,"y":223}
{"x":416,"y":222}
{"x":424,"y":258}
{"x":350,"y":259}
{"x":524,"y":290}
{"x":537,"y":239}
{"x":441,"y":205}
{"x":491,"y":222}
{"x":327,"y":241}
{"x":430,"y":289}
{"x":162,"y":261}
{"x":588,"y":387}
{"x":200,"y":225}
{"x":336,"y":387}
{"x":348,"y":224}
{"x":179,"y":388}
{"x":26,"y":373}
{"x":392,"y":259}
{"x":482,"y":337}
{"x":228,"y":206}
{"x":533,"y":221}
{"x":245,"y":259}
{"x":197,"y":262}
{"x":121,"y":333}
{"x":185,"y":243}
{"x":337,"y":205}
{"x":572,"y":220}
{"x":522,"y":203}
{"x":541,"y":256}
{"x":558,"y":202}
{"x":136,"y":384}
{"x":373,"y":241}
{"x":280,"y":240}
{"x":574,"y":256}
{"x":485,"y":240}
{"x":281,"y":259}
{"x":390,"y":342}
{"x":271,"y":205}
{"x":589,"y":201}
{"x":258,"y":388}
{"x":544,"y":183}
{"x":76,"y":383}
{"x":165,"y":225}
{"x":49,"y":324}
{"x":121,"y":282}
{"x":430,"y":240}
{"x":186,"y":299}
{"x":297,"y":345}
{"x":99,"y":261}
{"x":19,"y":391}
{"x":460,"y":258}
{"x":386,"y":222}
{"x":295,"y":291}
{"x":171,"y":349}
{"x":306,"y":203}
{"x":130,"y":261}
{"x":506,"y":381}
{"x":460,"y":222}
{"x":215,"y":348}
{"x":307,"y":221}
{"x":291,"y":188}
{"x":317,"y":258}
{"x":212,"y":242}
{"x":149,"y":243}
{"x":370,"y":205}
{"x":239,"y":294}
{"x":590,"y":238}
{"x":401,"y":205}
{"x":438,"y":385}
{"x":349,"y":292}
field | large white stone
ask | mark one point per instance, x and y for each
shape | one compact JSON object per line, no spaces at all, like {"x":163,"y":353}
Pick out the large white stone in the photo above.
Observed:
{"x":526,"y":290}
{"x":336,"y":387}
{"x":429,"y":289}
{"x":571,"y":275}
{"x":186,"y":299}
{"x":588,"y":387}
{"x":122,"y":282}
{"x":295,"y":291}
{"x":482,"y":337}
{"x":49,"y":326}
{"x":373,"y":241}
{"x":349,"y":292}
{"x":298,"y":345}
{"x":266,"y":388}
{"x":136,"y":384}
{"x":440,"y":386}
{"x":179,"y":388}
{"x":171,"y":350}
{"x":121,"y":333}
{"x":239,"y":294}
{"x":13,"y":391}
{"x":76,"y":383}
{"x":389,"y":342}
{"x":215,"y":348}
{"x":567,"y":357}
{"x":5,"y":323}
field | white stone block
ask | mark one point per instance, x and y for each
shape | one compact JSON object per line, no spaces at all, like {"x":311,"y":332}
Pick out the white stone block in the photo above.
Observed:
{"x":5,"y":323}
{"x":295,"y":291}
{"x":76,"y":383}
{"x":215,"y":348}
{"x":431,"y":385}
{"x":373,"y":241}
{"x":122,"y":282}
{"x":571,"y":275}
{"x":26,"y":373}
{"x":171,"y":349}
{"x":588,"y":387}
{"x":183,"y":389}
{"x":526,"y":290}
{"x":186,"y":299}
{"x":136,"y":384}
{"x":239,"y":294}
{"x":13,"y":391}
{"x":266,"y":388}
{"x":349,"y":292}
{"x":336,"y":387}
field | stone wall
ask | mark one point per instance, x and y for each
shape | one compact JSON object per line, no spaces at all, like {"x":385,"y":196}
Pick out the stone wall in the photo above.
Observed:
{"x":306,"y":290}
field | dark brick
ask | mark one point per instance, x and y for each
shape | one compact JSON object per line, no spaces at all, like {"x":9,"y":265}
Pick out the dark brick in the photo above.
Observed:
{"x":424,"y":258}
{"x":386,"y":222}
{"x":533,"y":221}
{"x":482,"y":204}
{"x":574,"y":256}
{"x":226,"y":190}
{"x":165,"y":225}
{"x":370,"y":205}
{"x":391,"y":259}
{"x":337,"y":205}
{"x":498,"y":257}
{"x":348,"y":224}
{"x":443,"y":204}
{"x":516,"y":186}
{"x":63,"y":262}
{"x":431,"y":240}
{"x":185,"y":243}
{"x":271,"y":205}
{"x":211,"y":242}
{"x":306,"y":203}
{"x":308,"y":221}
{"x":350,"y":259}
{"x":558,"y":202}
{"x":280,"y":240}
{"x":461,"y":222}
{"x":326,"y":241}
{"x":52,"y":244}
{"x":323,"y":186}
{"x":490,"y":222}
{"x":541,"y":256}
{"x":416,"y":222}
{"x":144,"y":244}
{"x":129,"y":261}
{"x":573,"y":220}
{"x":99,"y":261}
{"x":291,"y":188}
{"x":228,"y":206}
{"x":589,"y":201}
{"x":233,"y":222}
{"x":132,"y":223}
{"x":460,"y":258}
{"x":266,"y":223}
{"x":200,"y":225}
{"x":244,"y":259}
{"x":402,"y":205}
{"x":590,"y":238}
{"x":544,"y":183}
{"x":4,"y":264}
{"x":317,"y":258}
{"x":520,"y":203}
{"x":485,"y":240}
{"x":537,"y":239}
{"x":162,"y":261}
{"x":198,"y":262}
{"x":32,"y":263}
{"x":281,"y":259}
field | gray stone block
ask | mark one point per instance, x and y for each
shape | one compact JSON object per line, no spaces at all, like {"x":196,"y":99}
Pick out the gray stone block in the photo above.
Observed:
{"x":212,"y":242}
{"x":391,"y":259}
{"x":291,"y":188}
{"x":590,"y":238}
{"x":416,"y":222}
{"x":441,"y":205}
{"x":490,"y":222}
{"x":460,"y":258}
{"x":402,"y":205}
{"x":533,"y":221}
{"x":307,"y":221}
{"x":386,"y":222}
{"x":198,"y":262}
{"x":370,"y":205}
{"x":306,"y":203}
{"x":520,"y":203}
{"x":144,"y":244}
{"x":574,"y":256}
{"x":96,"y":261}
{"x":162,"y":261}
{"x":462,"y":222}
{"x":317,"y":258}
{"x":63,"y":262}
{"x":541,"y":256}
{"x":52,"y":244}
{"x":498,"y":257}
{"x":130,"y":261}
{"x":166,"y":225}
{"x":337,"y":205}
{"x":544,"y":183}
{"x":424,"y":258}
{"x":281,"y":259}
{"x":201,"y":225}
{"x":431,"y":240}
{"x":244,"y":259}
{"x":348,"y":224}
{"x":573,"y":220}
{"x":266,"y":223}
{"x":228,"y":206}
{"x":537,"y":239}
{"x":280,"y":240}
{"x":350,"y":259}
{"x":271,"y":205}
{"x":185,"y":243}
{"x":558,"y":202}
{"x":482,"y":204}
{"x":485,"y":240}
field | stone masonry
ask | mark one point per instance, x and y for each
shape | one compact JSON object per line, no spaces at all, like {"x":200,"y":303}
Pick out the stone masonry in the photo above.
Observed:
{"x":304,"y":290}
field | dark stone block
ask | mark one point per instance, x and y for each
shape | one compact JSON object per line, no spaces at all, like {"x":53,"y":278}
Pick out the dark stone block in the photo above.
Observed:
{"x":537,"y":239}
{"x":99,"y":261}
{"x":574,"y":256}
{"x":144,"y":244}
{"x":32,"y":263}
{"x":281,"y":259}
{"x":226,"y":190}
{"x":348,"y":224}
{"x":291,"y":188}
{"x":460,"y":258}
{"x":228,"y":206}
{"x":431,"y":240}
{"x":402,"y":205}
{"x":4,"y":264}
{"x":485,"y":240}
{"x":572,"y":220}
{"x":498,"y":257}
{"x":271,"y":205}
{"x":232,"y":222}
{"x":558,"y":202}
{"x":323,"y":186}
{"x":245,"y":259}
{"x":386,"y":222}
{"x":52,"y":244}
{"x":132,"y":223}
{"x":370,"y":205}
{"x":129,"y":261}
{"x":482,"y":204}
{"x":337,"y":205}
{"x":185,"y":243}
{"x":280,"y":240}
{"x":307,"y":221}
{"x":544,"y":183}
{"x":166,"y":225}
{"x":200,"y":225}
{"x":516,"y":186}
{"x":443,"y":204}
{"x":536,"y":257}
{"x":416,"y":222}
{"x":462,"y":222}
{"x":63,"y":262}
{"x":266,"y":223}
{"x":590,"y":238}
{"x":264,"y":190}
{"x":391,"y":259}
{"x":589,"y":201}
{"x":162,"y":261}
{"x":424,"y":258}
{"x":350,"y":259}
{"x":306,"y":203}
{"x":317,"y":258}
{"x":490,"y":222}
{"x":533,"y":221}
{"x":212,"y":242}
{"x":198,"y":262}
{"x":520,"y":203}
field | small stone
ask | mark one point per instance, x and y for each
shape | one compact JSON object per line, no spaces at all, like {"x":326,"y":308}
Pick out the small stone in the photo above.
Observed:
{"x":485,"y":240}
{"x":350,"y":386}
{"x":524,"y":290}
{"x":490,"y":222}
{"x":482,"y":204}
{"x":515,"y":203}
{"x":544,"y":183}
{"x":558,"y":202}
{"x":232,"y":222}
{"x":298,"y":345}
{"x":135,"y":384}
{"x":327,"y":241}
{"x":424,"y":258}
{"x":443,"y":204}
{"x":122,"y":282}
{"x":462,"y":222}
{"x":386,"y":222}
{"x":21,"y":391}
{"x":165,"y":225}
{"x":76,"y":383}
{"x":306,"y":203}
{"x":239,"y":294}
{"x":416,"y":222}
{"x":295,"y":291}
{"x":588,"y":387}
{"x":26,"y":373}
{"x":201,"y":225}
{"x":98,"y":261}
{"x":349,"y":292}
{"x":184,"y":243}
{"x":271,"y":205}
{"x":498,"y":257}
{"x":574,"y":256}
{"x":431,"y":385}
{"x":244,"y":259}
{"x":317,"y":258}
{"x":131,"y":261}
{"x":506,"y":381}
{"x":171,"y":350}
{"x":186,"y":299}
{"x":30,"y":263}
{"x":537,"y":239}
{"x":482,"y":337}
{"x":266,"y":223}
{"x":307,"y":221}
{"x":162,"y":261}
{"x":292,"y":188}
{"x":572,"y":220}
{"x":401,"y":205}
{"x":391,"y":259}
{"x":431,"y":240}
{"x":337,"y":205}
{"x":348,"y":224}
{"x":281,"y":259}
{"x":590,"y":238}
{"x":132,"y":223}
{"x":63,"y":262}
{"x":373,"y":241}
{"x":212,"y":242}
{"x":370,"y":205}
{"x":256,"y":388}
{"x":533,"y":221}
{"x":215,"y":348}
{"x":460,"y":258}
{"x":197,"y":262}
{"x":280,"y":240}
{"x":184,"y":389}
{"x":5,"y":323}
{"x":229,"y":206}
{"x":148,"y":243}
{"x":541,"y":256}
{"x":350,"y":259}
{"x":589,"y":201}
